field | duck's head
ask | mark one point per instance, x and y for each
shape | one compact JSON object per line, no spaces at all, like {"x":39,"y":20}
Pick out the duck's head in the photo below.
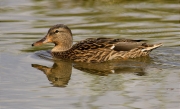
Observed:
{"x":60,"y":35}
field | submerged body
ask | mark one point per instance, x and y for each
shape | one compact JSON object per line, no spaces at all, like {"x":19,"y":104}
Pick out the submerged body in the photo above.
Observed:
{"x":93,"y":49}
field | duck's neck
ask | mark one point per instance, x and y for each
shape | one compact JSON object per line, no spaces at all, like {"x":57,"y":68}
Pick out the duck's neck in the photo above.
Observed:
{"x":63,"y":44}
{"x":61,"y":47}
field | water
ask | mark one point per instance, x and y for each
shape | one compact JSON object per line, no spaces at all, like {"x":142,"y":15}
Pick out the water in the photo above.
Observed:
{"x":30,"y":81}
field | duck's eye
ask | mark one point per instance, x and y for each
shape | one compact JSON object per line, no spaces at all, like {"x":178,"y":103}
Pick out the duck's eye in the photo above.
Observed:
{"x":56,"y":31}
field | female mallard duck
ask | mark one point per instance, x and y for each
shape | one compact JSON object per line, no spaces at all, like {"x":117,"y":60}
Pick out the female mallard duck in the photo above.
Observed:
{"x":93,"y":49}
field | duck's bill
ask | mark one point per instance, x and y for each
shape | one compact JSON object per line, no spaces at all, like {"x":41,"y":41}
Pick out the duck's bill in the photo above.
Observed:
{"x":40,"y":42}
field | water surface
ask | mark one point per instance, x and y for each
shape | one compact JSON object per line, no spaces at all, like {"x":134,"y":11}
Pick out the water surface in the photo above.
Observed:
{"x":29,"y":81}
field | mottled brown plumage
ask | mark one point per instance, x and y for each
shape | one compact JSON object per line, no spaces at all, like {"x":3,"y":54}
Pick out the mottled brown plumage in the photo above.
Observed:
{"x":93,"y":49}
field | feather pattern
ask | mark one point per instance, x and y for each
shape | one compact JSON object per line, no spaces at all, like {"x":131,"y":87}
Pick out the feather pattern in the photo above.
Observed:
{"x":93,"y":49}
{"x":99,"y":50}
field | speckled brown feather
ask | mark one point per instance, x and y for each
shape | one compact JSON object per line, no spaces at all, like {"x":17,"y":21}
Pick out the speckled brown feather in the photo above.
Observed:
{"x":99,"y":50}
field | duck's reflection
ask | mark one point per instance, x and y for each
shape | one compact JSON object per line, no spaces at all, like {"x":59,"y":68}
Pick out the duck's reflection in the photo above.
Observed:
{"x":116,"y":67}
{"x":60,"y":73}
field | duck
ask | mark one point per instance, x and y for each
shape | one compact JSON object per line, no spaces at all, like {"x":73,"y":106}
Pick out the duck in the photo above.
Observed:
{"x":93,"y":50}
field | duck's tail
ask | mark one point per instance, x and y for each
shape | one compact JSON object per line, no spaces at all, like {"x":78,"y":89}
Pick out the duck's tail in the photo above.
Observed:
{"x":150,"y":48}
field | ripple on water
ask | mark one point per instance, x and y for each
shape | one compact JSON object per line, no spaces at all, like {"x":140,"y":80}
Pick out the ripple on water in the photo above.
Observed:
{"x":167,"y":57}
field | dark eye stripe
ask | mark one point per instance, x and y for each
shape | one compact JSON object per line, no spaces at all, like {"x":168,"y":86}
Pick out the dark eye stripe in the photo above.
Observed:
{"x":56,"y":31}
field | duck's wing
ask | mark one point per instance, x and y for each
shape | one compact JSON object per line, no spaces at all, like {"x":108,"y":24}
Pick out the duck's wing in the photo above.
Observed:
{"x":103,"y":49}
{"x":107,"y":43}
{"x":126,"y":46}
{"x":93,"y":43}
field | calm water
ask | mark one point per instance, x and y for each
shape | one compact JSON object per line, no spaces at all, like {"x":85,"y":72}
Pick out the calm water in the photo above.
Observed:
{"x":30,"y":79}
